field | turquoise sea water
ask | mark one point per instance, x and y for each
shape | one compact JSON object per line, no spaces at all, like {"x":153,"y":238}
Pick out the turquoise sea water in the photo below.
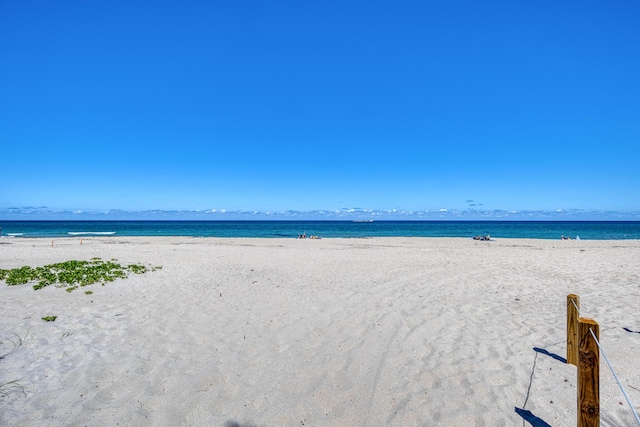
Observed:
{"x":593,"y":230}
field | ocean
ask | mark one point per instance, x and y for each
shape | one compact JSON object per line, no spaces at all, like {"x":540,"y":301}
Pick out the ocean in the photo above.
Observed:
{"x":592,"y":230}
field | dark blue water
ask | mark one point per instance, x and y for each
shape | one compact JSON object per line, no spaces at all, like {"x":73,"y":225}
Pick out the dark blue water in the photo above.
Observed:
{"x":598,"y":230}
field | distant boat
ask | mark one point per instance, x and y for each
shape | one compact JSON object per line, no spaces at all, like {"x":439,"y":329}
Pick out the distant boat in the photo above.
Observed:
{"x":362,"y":220}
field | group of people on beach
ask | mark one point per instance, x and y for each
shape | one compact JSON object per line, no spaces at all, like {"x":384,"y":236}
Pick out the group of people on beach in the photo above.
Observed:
{"x":563,"y":237}
{"x":304,"y":236}
{"x":483,"y":238}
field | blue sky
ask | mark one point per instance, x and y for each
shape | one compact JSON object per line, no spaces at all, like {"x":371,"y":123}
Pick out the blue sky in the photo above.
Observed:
{"x":482,"y":109}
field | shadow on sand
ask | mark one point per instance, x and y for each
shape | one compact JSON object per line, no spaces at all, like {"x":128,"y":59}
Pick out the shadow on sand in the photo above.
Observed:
{"x":232,"y":423}
{"x":548,"y":353}
{"x":531,"y":419}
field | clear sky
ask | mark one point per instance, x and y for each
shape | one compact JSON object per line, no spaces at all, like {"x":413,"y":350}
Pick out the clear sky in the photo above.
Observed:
{"x":482,"y":108}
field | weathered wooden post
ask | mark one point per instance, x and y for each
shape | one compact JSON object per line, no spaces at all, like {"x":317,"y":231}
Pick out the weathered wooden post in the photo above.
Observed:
{"x":588,"y":374}
{"x":573,"y":304}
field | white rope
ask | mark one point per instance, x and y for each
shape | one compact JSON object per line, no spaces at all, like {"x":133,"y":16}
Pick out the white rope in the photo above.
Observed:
{"x":609,"y":290}
{"x":616,"y":377}
{"x":574,"y":304}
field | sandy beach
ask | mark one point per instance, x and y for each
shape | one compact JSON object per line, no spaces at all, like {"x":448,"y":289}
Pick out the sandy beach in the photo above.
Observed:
{"x":329,"y":332}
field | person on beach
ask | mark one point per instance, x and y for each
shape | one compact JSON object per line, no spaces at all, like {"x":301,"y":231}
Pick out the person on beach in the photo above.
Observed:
{"x":483,"y":238}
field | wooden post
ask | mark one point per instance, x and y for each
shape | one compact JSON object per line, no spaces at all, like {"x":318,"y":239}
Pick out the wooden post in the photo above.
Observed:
{"x":573,"y":304}
{"x":588,"y":374}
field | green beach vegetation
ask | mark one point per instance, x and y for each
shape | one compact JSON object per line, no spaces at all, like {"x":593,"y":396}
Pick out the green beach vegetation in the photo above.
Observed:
{"x":71,"y":274}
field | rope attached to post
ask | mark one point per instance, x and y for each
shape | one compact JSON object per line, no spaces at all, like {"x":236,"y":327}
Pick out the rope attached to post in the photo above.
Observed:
{"x":574,"y":304}
{"x":616,"y":377}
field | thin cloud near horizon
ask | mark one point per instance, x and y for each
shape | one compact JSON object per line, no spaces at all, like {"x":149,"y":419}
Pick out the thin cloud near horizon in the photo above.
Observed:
{"x":44,"y":213}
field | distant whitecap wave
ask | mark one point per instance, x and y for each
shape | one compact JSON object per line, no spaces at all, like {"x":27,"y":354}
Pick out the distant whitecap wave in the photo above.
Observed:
{"x":94,"y":233}
{"x":15,"y":234}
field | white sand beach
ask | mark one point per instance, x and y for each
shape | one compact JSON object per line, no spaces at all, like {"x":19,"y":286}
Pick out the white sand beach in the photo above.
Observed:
{"x":329,"y":332}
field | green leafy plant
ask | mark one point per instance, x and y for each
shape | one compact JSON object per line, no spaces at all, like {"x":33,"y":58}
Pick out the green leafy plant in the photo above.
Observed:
{"x":50,"y":318}
{"x":18,"y":276}
{"x":71,"y":274}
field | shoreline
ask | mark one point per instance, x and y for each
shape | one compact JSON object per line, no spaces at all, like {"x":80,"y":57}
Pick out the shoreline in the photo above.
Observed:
{"x":551,"y":230}
{"x":7,"y":239}
{"x":340,"y":331}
